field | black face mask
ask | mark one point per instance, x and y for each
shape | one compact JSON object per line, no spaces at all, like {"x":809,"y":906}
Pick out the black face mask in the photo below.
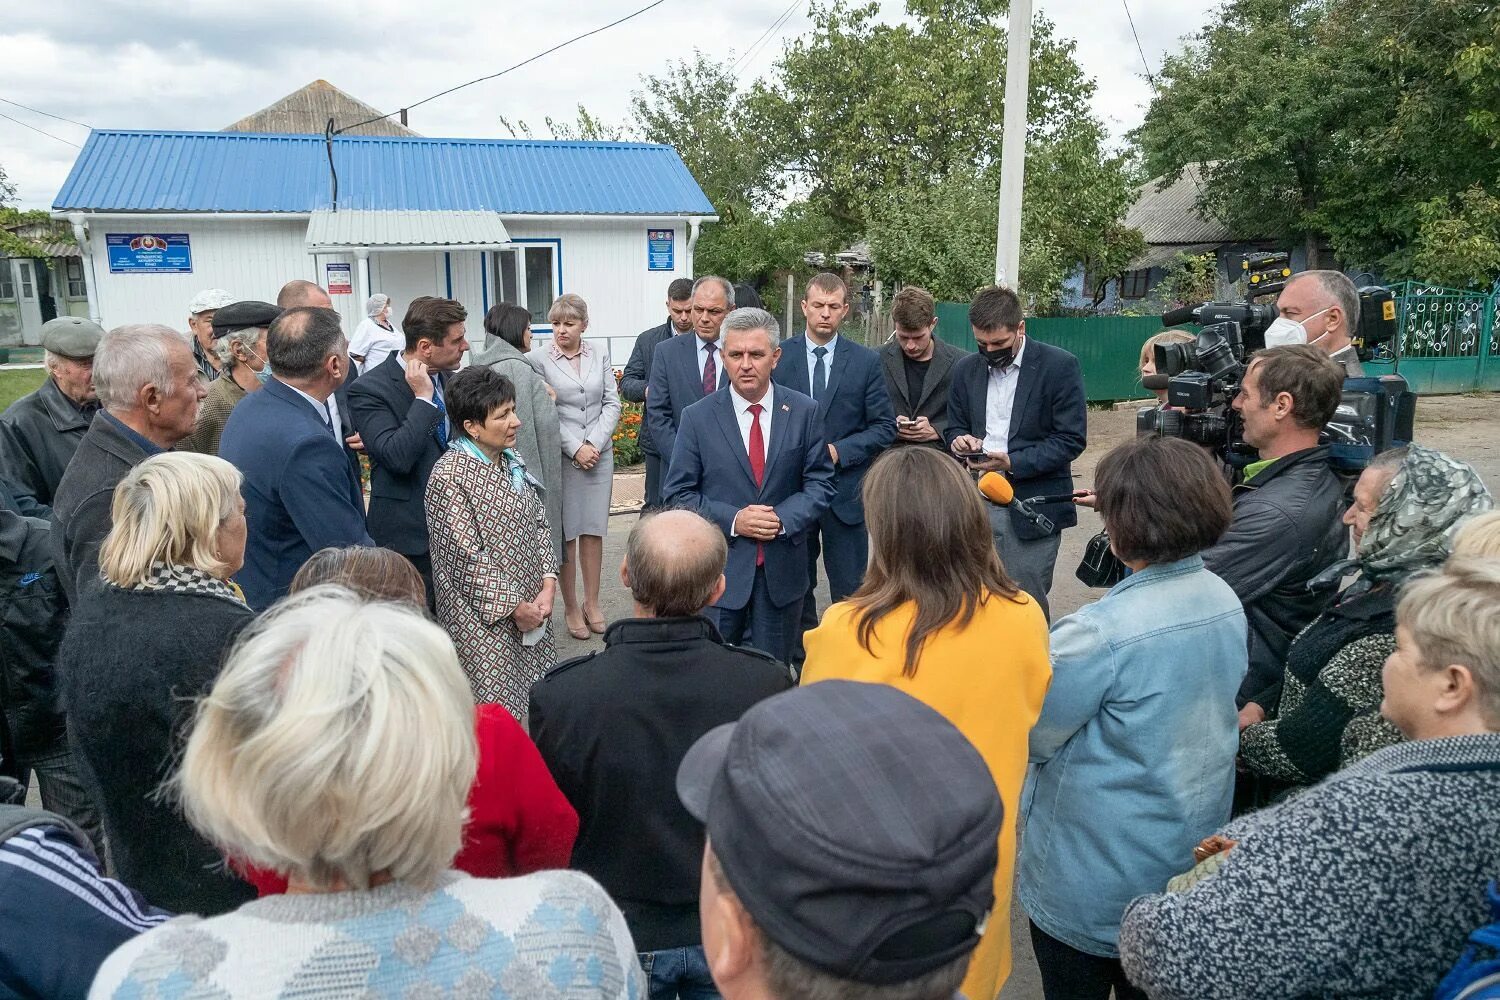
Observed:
{"x":999,"y":357}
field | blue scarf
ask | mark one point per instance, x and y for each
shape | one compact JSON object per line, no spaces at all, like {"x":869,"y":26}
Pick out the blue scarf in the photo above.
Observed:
{"x":519,"y":477}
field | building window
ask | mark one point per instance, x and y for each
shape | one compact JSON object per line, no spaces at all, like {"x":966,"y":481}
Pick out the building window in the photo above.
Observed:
{"x":527,"y":276}
{"x":7,"y":283}
{"x":76,"y":289}
{"x":1135,"y":284}
{"x":27,"y":291}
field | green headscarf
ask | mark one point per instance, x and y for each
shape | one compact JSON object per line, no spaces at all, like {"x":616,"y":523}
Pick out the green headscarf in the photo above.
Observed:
{"x":1419,"y":513}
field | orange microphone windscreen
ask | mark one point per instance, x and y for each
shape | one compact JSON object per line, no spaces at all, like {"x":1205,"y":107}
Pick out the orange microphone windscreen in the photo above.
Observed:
{"x":996,"y":488}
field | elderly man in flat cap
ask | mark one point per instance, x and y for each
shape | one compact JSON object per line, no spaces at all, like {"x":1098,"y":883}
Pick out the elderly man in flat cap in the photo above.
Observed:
{"x":40,"y":431}
{"x":201,"y":327}
{"x":239,"y":344}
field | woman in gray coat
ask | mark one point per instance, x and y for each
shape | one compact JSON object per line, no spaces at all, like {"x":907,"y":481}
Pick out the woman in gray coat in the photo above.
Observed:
{"x":507,"y":339}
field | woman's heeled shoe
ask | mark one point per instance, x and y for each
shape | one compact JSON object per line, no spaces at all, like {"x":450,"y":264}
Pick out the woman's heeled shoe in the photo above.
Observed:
{"x":596,"y":625}
{"x":576,"y":631}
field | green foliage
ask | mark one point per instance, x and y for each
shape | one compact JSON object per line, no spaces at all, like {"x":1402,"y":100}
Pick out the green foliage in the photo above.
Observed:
{"x":1460,"y":246}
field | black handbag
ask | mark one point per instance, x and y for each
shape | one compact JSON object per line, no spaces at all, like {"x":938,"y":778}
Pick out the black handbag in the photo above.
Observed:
{"x":1100,"y":567}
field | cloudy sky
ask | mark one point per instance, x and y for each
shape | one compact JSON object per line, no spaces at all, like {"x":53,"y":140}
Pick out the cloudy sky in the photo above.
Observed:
{"x":169,"y":64}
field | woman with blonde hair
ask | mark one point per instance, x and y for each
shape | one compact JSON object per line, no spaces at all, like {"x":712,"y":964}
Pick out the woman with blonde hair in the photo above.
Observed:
{"x":938,"y":617}
{"x":142,"y":644}
{"x":337,"y":746}
{"x":588,"y":407}
{"x":1146,"y":369}
{"x":1479,"y":538}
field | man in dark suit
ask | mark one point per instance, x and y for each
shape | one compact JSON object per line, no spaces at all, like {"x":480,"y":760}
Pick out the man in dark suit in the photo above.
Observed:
{"x":149,"y":388}
{"x":301,"y":489}
{"x":636,"y":380}
{"x":685,"y":369}
{"x":918,"y":369}
{"x":845,"y":380}
{"x":752,"y":459}
{"x":399,"y":411}
{"x":1020,"y":403}
{"x":597,"y":721}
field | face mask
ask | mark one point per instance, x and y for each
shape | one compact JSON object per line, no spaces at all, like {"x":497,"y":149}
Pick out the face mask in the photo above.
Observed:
{"x":264,"y":375}
{"x":1285,"y":331}
{"x":999,"y":357}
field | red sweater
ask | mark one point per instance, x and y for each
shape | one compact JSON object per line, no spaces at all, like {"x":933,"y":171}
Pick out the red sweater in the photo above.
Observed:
{"x":518,"y":820}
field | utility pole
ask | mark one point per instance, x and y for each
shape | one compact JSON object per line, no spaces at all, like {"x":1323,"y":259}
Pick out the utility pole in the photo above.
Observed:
{"x":1013,"y":143}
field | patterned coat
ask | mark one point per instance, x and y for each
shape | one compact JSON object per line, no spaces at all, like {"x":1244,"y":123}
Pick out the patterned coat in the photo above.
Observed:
{"x":490,"y":548}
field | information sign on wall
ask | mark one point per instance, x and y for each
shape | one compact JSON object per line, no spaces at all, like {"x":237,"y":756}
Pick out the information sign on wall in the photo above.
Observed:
{"x":149,"y":253}
{"x":340,"y":279}
{"x":659,"y":249}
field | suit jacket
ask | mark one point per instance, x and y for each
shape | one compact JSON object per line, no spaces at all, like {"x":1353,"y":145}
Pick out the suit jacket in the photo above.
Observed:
{"x":855,"y":410}
{"x":588,"y":406}
{"x":1048,"y":425}
{"x":675,"y":385}
{"x":82,"y":508}
{"x":38,"y":435}
{"x":301,"y":492}
{"x":933,"y":403}
{"x":710,"y":473}
{"x":638,"y":373}
{"x":400,"y":436}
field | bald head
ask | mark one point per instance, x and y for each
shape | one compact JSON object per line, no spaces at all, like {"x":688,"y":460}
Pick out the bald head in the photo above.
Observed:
{"x":674,"y":563}
{"x":297,"y":292}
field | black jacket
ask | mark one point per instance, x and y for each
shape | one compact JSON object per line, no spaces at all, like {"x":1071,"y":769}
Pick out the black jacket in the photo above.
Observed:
{"x":32,"y":616}
{"x":933,"y":403}
{"x":399,"y":433}
{"x":131,"y":665}
{"x":1287,"y":529}
{"x":38,"y":435}
{"x":638,"y":373}
{"x":1048,"y":426}
{"x":613,"y":728}
{"x":81,"y":509}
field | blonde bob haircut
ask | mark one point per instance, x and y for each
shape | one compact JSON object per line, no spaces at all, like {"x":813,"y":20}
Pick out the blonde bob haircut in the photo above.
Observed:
{"x":1454,"y":618}
{"x":570,"y":305}
{"x":1164,"y":337}
{"x":169,"y":509}
{"x":336,"y":745}
{"x":1479,"y":538}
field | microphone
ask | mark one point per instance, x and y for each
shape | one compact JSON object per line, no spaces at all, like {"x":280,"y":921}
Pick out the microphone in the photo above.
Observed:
{"x":1179,"y":316}
{"x":997,"y":490}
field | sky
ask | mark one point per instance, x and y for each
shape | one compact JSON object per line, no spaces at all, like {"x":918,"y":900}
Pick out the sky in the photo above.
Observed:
{"x":200,"y":65}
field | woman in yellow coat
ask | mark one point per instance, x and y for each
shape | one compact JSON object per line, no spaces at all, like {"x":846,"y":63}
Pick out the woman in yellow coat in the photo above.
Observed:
{"x":938,"y":618}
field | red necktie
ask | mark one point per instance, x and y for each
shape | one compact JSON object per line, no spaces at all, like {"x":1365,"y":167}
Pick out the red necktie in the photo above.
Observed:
{"x":757,"y":464}
{"x":710,"y":376}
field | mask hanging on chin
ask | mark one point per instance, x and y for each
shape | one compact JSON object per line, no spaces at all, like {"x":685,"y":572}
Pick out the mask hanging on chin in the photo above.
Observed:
{"x":1284,"y":332}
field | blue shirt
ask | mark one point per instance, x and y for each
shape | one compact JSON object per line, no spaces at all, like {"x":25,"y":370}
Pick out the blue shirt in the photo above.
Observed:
{"x":812,"y":360}
{"x":146,"y":444}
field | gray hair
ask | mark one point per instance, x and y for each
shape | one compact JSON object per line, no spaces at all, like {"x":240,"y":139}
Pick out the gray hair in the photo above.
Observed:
{"x":246,"y":338}
{"x":132,"y":357}
{"x":1341,"y":292}
{"x":376,"y":304}
{"x":714,"y":279}
{"x":1453,"y":616}
{"x":301,"y":339}
{"x":751,"y":318}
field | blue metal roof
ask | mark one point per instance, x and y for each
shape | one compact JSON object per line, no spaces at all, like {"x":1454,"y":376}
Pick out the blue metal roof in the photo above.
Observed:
{"x":122,"y":171}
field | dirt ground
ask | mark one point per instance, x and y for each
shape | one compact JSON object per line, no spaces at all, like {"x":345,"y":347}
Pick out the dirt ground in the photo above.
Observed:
{"x":1466,"y":427}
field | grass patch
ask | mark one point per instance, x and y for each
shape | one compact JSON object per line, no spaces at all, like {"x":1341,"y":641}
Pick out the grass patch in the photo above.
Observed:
{"x":17,"y":382}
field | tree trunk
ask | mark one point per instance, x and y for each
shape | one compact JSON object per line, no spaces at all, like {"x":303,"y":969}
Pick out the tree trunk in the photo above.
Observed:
{"x":1310,"y":241}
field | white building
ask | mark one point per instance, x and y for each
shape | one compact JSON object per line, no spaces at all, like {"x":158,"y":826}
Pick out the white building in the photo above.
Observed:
{"x":160,"y":215}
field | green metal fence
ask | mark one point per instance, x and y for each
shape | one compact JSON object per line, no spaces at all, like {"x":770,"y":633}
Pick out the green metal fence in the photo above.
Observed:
{"x":1448,"y":342}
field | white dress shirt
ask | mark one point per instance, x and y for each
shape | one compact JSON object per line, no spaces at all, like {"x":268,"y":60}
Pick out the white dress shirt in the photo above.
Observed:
{"x":812,"y":361}
{"x":999,"y":400}
{"x":328,"y":410}
{"x":742,"y":417}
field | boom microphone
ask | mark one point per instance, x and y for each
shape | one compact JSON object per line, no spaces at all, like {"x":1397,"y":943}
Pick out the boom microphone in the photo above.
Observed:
{"x":1179,"y":316}
{"x":997,"y":490}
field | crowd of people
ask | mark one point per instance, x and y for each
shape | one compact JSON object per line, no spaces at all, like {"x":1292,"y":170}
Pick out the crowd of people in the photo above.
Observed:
{"x":299,"y":733}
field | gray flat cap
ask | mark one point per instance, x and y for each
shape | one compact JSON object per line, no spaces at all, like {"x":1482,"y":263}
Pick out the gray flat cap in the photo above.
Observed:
{"x":242,"y":316}
{"x":71,"y":336}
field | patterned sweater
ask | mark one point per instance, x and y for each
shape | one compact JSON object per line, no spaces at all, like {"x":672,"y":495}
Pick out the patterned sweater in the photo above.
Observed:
{"x":1329,"y":714}
{"x":550,"y":935}
{"x":1365,"y":885}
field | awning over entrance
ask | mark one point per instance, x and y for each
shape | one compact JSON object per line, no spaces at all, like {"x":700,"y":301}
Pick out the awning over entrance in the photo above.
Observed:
{"x":350,"y":229}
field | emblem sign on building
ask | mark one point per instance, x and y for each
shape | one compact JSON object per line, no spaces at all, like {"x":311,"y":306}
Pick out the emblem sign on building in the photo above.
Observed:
{"x":146,"y":253}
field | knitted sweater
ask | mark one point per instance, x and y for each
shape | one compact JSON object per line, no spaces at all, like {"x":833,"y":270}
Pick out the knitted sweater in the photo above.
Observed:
{"x":1365,"y":885}
{"x":554,"y":934}
{"x":1329,"y":715}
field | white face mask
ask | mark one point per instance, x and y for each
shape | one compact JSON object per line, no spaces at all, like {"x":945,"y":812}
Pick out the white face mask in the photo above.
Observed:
{"x":1288,"y":331}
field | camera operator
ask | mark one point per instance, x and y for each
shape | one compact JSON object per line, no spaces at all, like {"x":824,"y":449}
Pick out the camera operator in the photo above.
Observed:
{"x":1319,"y":308}
{"x":1286,"y":527}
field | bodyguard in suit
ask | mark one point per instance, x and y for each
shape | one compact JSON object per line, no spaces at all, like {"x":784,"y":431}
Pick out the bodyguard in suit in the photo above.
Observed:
{"x":399,"y":411}
{"x":1021,"y":403}
{"x":845,"y":380}
{"x":636,"y":380}
{"x":918,"y":369}
{"x":752,"y":459}
{"x":301,"y":489}
{"x":685,"y":369}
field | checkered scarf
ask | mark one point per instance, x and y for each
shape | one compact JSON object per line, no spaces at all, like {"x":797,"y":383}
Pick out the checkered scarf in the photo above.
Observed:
{"x":179,"y":579}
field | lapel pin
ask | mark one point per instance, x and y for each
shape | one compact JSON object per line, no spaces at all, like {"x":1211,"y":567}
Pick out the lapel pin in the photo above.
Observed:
{"x":785,"y":408}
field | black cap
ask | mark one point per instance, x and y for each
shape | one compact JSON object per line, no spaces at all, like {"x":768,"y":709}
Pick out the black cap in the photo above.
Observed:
{"x":243,"y":315}
{"x":857,"y":826}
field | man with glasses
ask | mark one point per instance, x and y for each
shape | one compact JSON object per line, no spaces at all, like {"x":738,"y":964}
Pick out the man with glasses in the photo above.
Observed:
{"x":685,"y":369}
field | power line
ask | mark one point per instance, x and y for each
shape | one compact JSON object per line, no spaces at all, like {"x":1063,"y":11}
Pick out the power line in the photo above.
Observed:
{"x":763,"y":34}
{"x":48,"y":114}
{"x":1150,"y":78}
{"x":508,"y":69}
{"x":778,"y":26}
{"x":42,"y":131}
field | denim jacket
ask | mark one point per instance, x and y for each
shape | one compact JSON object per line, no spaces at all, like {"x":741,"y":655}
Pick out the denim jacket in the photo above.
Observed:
{"x":1133,"y":757}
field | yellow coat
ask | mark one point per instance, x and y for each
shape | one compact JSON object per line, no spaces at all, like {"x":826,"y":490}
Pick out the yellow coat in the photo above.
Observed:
{"x":989,"y":680}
